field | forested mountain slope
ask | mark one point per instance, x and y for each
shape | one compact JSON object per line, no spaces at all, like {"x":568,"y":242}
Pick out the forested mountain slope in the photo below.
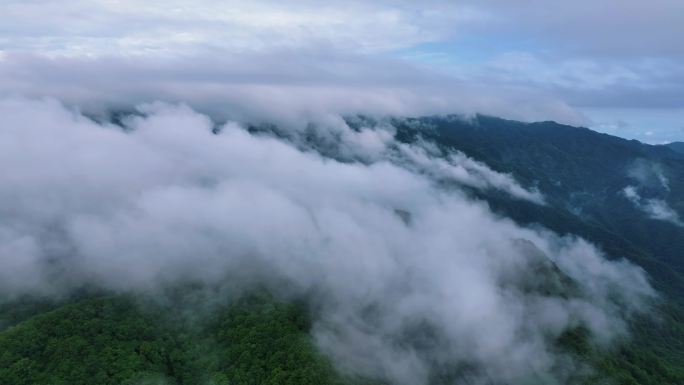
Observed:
{"x":676,"y":146}
{"x":583,"y":175}
{"x":624,"y":196}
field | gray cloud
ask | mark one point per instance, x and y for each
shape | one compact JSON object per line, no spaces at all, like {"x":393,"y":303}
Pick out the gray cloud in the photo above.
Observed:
{"x":608,"y":28}
{"x":625,"y":52}
{"x":613,"y":28}
{"x":167,"y":200}
{"x":283,"y":87}
{"x":163,"y":27}
{"x":532,"y":61}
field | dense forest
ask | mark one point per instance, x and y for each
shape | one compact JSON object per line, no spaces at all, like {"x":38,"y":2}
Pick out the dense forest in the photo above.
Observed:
{"x":105,"y":339}
{"x":120,"y":340}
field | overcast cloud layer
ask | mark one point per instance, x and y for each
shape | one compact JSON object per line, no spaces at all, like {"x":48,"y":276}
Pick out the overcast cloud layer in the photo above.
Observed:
{"x":407,"y":276}
{"x":583,"y":62}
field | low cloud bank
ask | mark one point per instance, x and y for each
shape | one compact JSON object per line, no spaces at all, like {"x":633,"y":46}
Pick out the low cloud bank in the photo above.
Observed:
{"x":290,"y":87}
{"x":407,"y":276}
{"x":651,"y":176}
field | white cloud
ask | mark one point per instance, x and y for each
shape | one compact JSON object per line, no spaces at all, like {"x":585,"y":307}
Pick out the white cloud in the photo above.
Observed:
{"x":648,"y":174}
{"x":172,"y":27}
{"x":659,"y":209}
{"x":461,"y":169}
{"x":614,"y":27}
{"x":378,"y":248}
{"x":651,"y":176}
{"x":655,"y":208}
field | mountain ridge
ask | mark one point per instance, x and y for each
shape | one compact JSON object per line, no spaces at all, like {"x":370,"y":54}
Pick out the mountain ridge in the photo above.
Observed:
{"x":676,"y":146}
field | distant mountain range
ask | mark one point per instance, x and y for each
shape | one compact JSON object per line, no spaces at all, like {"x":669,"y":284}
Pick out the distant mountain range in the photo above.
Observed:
{"x":676,"y":146}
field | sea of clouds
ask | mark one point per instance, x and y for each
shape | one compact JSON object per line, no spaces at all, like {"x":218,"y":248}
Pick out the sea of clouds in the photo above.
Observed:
{"x":406,"y":275}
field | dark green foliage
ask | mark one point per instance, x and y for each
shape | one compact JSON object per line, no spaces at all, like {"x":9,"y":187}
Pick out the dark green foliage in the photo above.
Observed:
{"x":15,"y":311}
{"x":640,"y":361}
{"x":101,"y":341}
{"x":264,"y":342}
{"x":113,"y":340}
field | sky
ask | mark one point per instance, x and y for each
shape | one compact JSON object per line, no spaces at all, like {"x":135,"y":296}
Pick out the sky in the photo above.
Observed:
{"x":613,"y":65}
